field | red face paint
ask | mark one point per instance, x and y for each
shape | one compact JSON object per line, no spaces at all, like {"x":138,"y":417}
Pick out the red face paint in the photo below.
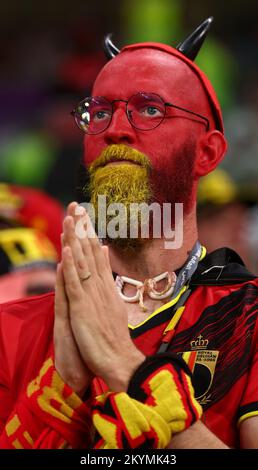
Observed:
{"x":171,"y":146}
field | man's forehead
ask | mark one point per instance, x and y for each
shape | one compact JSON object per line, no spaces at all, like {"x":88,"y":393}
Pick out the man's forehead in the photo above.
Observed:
{"x":145,"y":66}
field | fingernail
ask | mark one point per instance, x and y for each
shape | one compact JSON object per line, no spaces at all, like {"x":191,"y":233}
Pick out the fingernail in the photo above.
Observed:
{"x":79,"y":210}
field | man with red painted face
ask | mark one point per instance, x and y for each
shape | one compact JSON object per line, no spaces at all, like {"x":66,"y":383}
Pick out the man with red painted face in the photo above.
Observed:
{"x":183,"y":375}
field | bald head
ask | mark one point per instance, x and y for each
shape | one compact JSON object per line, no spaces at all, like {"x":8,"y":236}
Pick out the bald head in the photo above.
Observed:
{"x":190,"y":104}
{"x":163,"y":70}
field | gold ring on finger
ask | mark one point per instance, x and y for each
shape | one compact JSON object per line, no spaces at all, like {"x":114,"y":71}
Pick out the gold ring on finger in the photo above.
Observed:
{"x":86,"y":276}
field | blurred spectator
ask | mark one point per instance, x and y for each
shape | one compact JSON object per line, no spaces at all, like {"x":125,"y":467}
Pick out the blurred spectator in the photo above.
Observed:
{"x":27,"y":157}
{"x":241,"y":125}
{"x":227,"y":216}
{"x":27,"y":262}
{"x":31,"y":207}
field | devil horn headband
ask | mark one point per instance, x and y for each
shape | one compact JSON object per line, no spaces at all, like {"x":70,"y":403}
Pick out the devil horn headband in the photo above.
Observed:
{"x":110,"y":49}
{"x":193,"y":43}
{"x":189,"y":47}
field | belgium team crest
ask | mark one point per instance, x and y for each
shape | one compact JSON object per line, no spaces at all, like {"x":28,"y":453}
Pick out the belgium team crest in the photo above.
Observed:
{"x":202,"y":363}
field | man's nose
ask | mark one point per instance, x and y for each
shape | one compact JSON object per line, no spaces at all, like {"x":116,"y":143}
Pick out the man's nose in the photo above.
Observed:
{"x":120,"y":130}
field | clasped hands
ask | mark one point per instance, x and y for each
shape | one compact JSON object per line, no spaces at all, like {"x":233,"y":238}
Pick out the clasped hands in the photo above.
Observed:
{"x":91,"y":336}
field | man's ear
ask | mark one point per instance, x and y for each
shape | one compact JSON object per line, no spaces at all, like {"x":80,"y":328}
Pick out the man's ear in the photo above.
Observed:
{"x":211,"y":149}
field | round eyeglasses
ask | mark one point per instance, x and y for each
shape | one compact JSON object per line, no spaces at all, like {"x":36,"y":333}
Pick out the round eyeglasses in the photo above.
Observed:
{"x":145,"y":111}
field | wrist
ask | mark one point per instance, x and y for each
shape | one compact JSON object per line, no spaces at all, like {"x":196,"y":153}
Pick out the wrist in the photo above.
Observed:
{"x":120,"y":373}
{"x":158,"y":404}
{"x":78,"y":382}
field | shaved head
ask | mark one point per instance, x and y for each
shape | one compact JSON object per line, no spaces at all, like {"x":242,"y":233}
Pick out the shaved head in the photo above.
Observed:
{"x":174,"y":146}
{"x":176,"y":78}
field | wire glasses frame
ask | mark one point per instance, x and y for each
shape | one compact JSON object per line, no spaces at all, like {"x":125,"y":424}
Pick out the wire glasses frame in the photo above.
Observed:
{"x":148,"y":110}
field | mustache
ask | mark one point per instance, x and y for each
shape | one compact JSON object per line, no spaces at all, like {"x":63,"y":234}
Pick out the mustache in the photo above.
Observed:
{"x":120,"y":152}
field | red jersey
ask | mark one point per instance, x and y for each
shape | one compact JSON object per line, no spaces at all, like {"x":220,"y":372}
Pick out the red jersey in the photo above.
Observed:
{"x":217,"y":335}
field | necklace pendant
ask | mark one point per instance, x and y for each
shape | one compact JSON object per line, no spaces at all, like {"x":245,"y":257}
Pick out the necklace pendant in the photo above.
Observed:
{"x":167,"y":291}
{"x":121,"y":281}
{"x":146,"y":287}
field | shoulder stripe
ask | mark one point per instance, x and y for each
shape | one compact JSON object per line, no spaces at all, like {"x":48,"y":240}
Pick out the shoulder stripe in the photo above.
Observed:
{"x":247,"y":415}
{"x":247,"y":411}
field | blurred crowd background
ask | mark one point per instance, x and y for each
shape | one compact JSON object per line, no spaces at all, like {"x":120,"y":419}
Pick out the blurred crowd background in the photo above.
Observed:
{"x":50,"y":54}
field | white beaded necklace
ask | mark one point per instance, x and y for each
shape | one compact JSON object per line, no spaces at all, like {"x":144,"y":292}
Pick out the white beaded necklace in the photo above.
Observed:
{"x":146,"y":287}
{"x":173,"y":286}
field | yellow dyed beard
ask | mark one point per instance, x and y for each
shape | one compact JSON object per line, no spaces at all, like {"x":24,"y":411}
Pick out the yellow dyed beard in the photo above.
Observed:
{"x":122,"y":183}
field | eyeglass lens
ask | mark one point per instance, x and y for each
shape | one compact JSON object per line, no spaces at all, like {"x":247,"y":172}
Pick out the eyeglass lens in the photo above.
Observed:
{"x":145,"y":111}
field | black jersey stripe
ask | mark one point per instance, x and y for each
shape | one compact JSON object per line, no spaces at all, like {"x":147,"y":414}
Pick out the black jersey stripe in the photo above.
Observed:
{"x":243,"y":410}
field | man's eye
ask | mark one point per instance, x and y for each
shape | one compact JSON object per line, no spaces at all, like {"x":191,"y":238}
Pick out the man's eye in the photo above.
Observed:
{"x":100,"y":115}
{"x":151,"y":111}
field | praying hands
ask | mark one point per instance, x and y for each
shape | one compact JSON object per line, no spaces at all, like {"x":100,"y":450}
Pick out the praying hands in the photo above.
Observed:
{"x":91,"y":335}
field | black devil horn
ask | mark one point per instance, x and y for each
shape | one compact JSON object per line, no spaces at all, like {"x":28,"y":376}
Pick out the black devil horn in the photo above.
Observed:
{"x":110,"y":49}
{"x":193,"y":43}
